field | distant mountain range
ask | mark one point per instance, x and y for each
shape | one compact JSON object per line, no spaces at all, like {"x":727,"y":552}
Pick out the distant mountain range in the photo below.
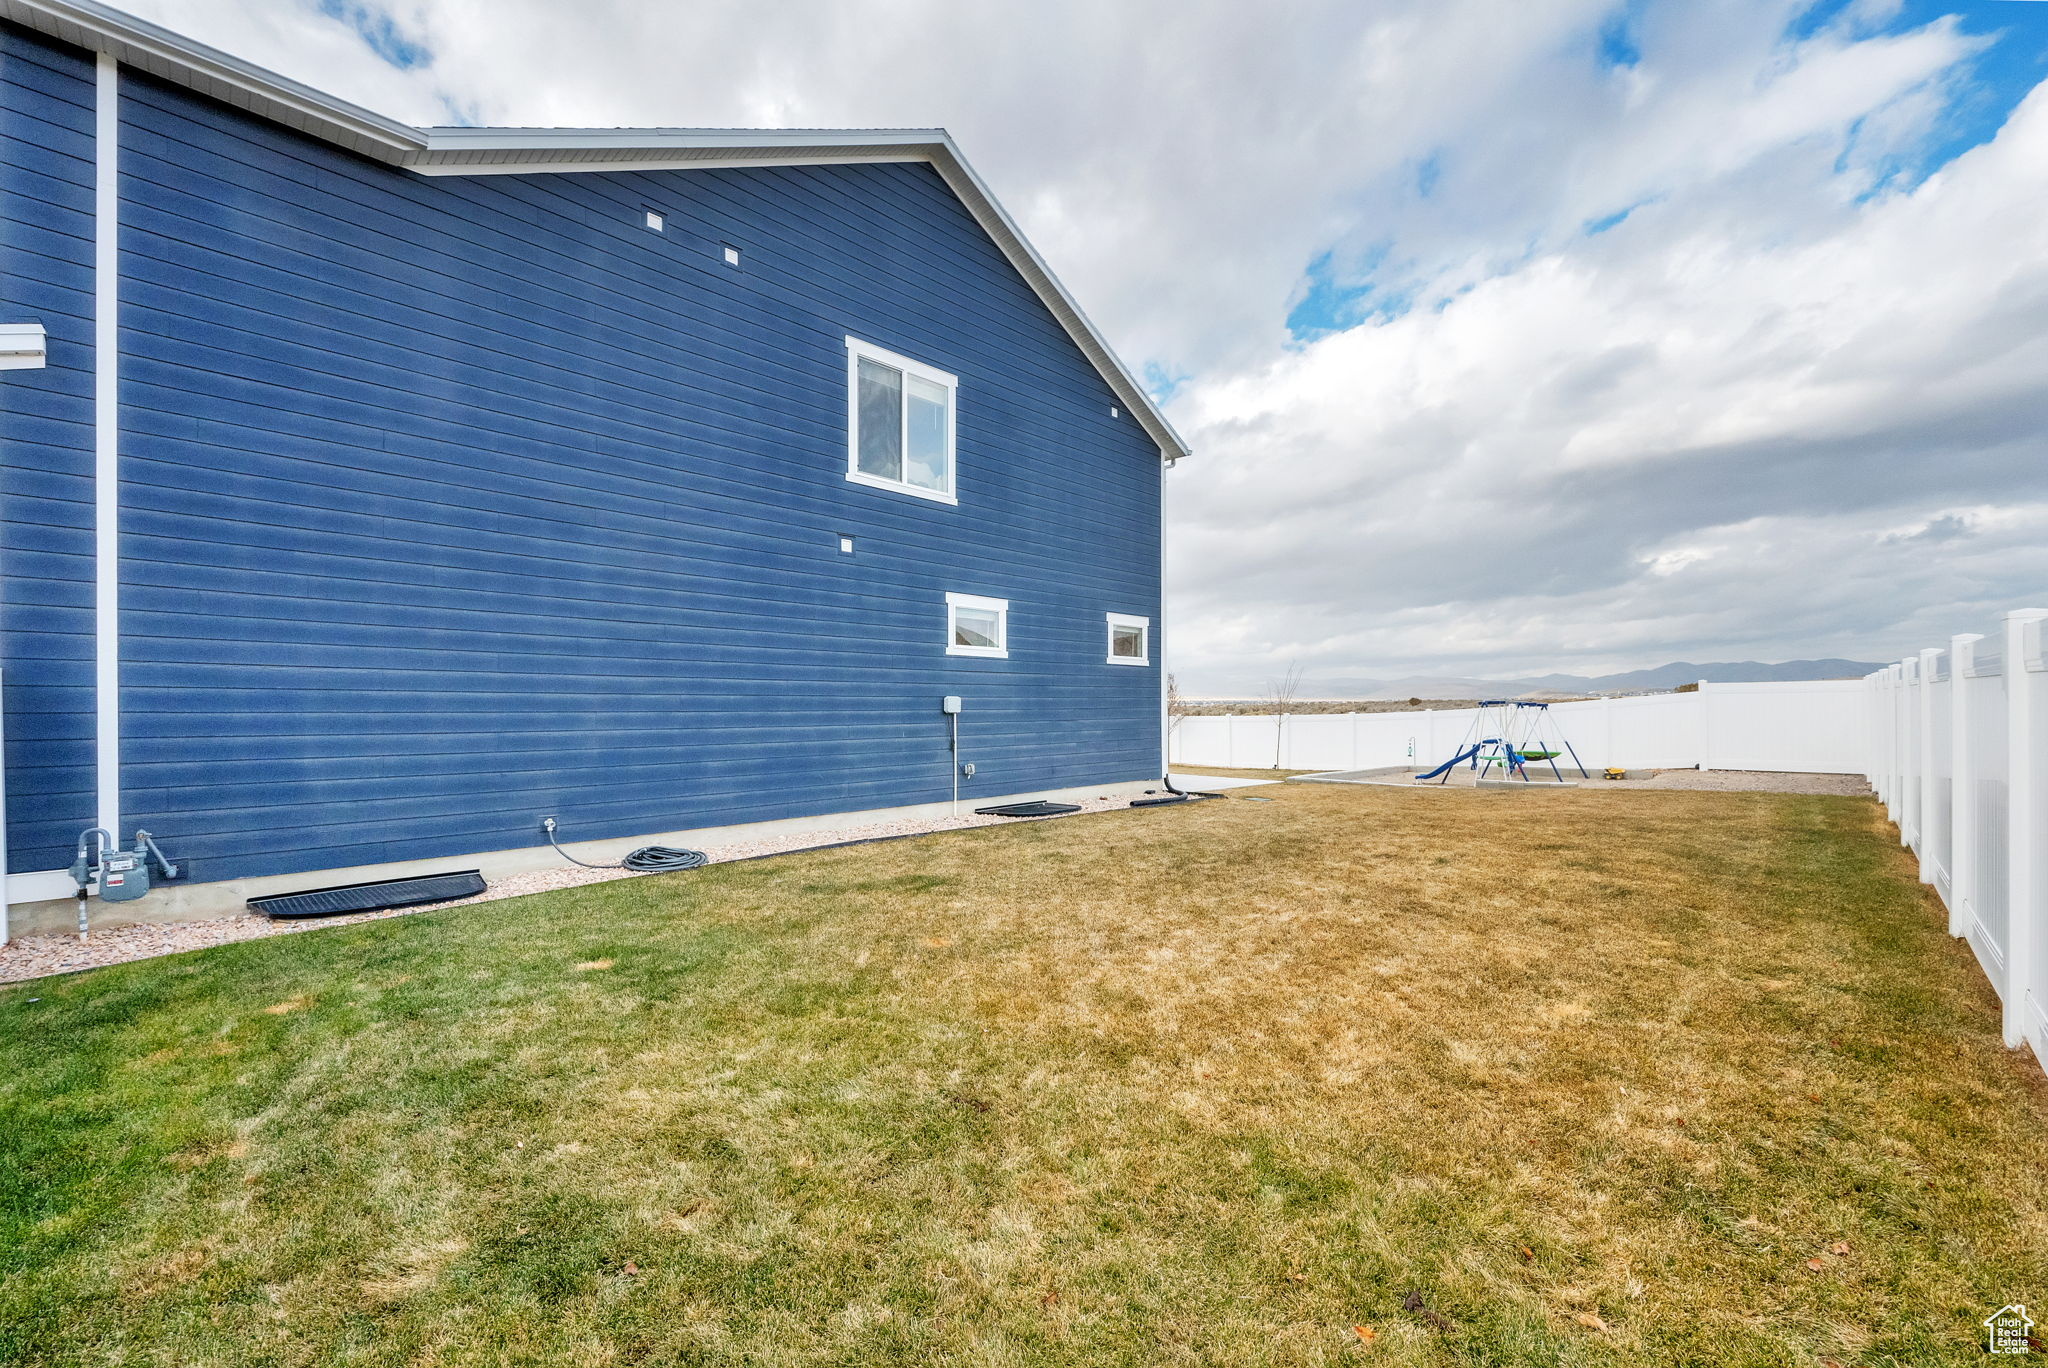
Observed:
{"x":1631,"y":681}
{"x":1685,"y":672}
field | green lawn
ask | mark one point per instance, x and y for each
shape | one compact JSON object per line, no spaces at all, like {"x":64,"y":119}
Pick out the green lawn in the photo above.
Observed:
{"x":1580,"y":1077}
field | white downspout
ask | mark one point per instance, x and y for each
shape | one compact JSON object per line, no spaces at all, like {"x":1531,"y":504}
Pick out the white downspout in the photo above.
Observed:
{"x":106,"y":409}
{"x":1159,"y":646}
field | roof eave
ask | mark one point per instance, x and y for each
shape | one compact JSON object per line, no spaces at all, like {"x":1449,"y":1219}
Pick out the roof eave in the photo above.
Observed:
{"x":176,"y":58}
{"x":486,"y":151}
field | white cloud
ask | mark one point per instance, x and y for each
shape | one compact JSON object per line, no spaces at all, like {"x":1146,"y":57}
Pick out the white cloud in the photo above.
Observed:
{"x":1783,"y":407}
{"x":1629,"y":446}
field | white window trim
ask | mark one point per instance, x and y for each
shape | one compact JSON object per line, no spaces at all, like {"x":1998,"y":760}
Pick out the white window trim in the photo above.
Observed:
{"x":1000,"y":607}
{"x":855,"y":350}
{"x":1117,"y":620}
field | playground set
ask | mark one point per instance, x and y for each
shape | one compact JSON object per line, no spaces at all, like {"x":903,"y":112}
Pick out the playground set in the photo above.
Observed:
{"x":1505,"y":738}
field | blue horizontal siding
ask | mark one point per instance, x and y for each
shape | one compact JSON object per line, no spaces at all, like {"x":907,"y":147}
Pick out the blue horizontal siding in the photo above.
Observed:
{"x":46,"y":498}
{"x":451,"y":502}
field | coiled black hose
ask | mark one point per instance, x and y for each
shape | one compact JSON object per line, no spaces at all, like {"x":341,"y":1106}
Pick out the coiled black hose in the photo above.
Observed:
{"x":645,"y":860}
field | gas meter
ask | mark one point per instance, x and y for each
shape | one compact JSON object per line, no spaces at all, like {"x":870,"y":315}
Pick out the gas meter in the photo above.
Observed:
{"x":122,"y":875}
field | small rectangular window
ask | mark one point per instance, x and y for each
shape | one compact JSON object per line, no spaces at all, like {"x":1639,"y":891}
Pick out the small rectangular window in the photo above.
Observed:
{"x":732,"y":256}
{"x":654,"y":221}
{"x":977,"y":626}
{"x":1130,"y":640}
{"x":900,"y":419}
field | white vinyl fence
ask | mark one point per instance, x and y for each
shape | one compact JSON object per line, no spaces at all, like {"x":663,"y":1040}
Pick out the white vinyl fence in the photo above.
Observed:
{"x":1959,"y":755}
{"x":1819,"y":726}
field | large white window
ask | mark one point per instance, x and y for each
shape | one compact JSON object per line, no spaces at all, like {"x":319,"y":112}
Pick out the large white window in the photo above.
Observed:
{"x":899,"y":422}
{"x":977,"y":626}
{"x":1130,"y":640}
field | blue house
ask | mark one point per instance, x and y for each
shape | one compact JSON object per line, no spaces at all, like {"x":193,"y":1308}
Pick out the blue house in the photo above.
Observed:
{"x":371,"y":492}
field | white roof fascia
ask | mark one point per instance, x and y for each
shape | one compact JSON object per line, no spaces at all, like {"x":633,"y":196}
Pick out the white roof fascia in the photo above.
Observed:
{"x":996,"y":222}
{"x":525,"y":151}
{"x":176,"y":58}
{"x":505,"y":151}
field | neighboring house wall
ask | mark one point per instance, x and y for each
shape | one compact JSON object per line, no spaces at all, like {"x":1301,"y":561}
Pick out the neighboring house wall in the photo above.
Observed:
{"x":46,"y":447}
{"x":452,"y":502}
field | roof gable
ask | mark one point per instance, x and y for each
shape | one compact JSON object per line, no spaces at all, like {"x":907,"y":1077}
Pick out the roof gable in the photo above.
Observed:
{"x":504,"y":151}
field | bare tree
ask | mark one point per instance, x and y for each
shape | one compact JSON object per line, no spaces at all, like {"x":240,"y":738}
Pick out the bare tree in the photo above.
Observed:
{"x":1176,"y":705}
{"x":1281,"y":693}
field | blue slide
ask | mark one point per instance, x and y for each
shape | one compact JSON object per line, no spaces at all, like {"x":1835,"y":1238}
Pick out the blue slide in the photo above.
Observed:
{"x":1447,"y":766}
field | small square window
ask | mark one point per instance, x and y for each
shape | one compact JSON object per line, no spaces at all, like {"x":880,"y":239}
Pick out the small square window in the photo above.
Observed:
{"x":654,"y":220}
{"x":846,"y":545}
{"x":1130,"y":640}
{"x":977,"y":626}
{"x":732,"y":256}
{"x":899,"y":423}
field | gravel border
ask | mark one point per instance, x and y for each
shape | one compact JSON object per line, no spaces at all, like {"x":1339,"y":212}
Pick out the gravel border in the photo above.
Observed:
{"x":42,"y":954}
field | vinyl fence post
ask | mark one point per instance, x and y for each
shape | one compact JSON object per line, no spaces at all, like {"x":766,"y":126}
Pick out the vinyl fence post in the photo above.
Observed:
{"x":2024,"y":799}
{"x":1706,"y":730}
{"x":1907,"y":754}
{"x":1889,"y":684}
{"x":1883,"y":711}
{"x":1901,"y":756}
{"x":1962,"y":831}
{"x":1928,"y":657}
{"x":1898,"y":803}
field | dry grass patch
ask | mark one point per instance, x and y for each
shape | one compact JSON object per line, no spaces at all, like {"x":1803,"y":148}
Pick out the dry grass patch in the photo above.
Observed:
{"x":1500,"y":1078}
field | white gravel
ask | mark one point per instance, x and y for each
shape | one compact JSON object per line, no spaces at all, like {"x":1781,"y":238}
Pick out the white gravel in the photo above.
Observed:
{"x":30,"y":957}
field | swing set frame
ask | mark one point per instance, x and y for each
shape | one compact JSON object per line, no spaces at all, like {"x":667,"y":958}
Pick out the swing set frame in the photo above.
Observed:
{"x":1509,"y":742}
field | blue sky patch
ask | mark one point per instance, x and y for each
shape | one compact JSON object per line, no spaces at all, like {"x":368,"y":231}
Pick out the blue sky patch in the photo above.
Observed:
{"x":379,"y":32}
{"x":1988,"y":86}
{"x":1343,"y":296}
{"x":1617,"y":39}
{"x":1161,"y":383}
{"x":1428,"y":173}
{"x":1600,"y":225}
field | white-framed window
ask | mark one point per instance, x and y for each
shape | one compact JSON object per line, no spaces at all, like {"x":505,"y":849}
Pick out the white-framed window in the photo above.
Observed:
{"x":1130,"y":640}
{"x":899,"y":423}
{"x":977,"y":626}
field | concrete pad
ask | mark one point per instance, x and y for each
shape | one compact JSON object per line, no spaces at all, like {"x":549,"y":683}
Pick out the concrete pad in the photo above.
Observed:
{"x":1216,"y":783}
{"x":1404,"y":775}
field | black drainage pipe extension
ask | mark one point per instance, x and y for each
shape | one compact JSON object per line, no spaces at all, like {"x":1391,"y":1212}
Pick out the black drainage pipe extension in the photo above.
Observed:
{"x":1180,"y":795}
{"x":1186,"y":793}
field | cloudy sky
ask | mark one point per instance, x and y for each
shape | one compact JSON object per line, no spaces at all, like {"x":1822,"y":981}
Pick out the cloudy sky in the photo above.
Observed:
{"x":1512,"y":336}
